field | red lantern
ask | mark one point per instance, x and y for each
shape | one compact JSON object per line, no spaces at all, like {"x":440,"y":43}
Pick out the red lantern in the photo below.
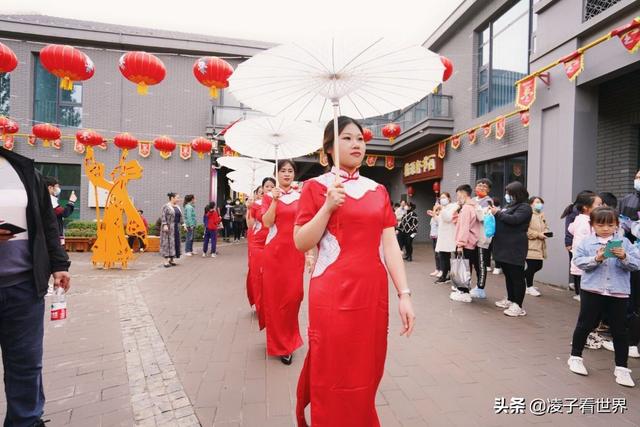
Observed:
{"x":46,"y":133}
{"x":410,"y":191}
{"x":165,"y":145}
{"x":8,"y":59}
{"x":3,"y":122}
{"x":125,"y":141}
{"x":201,"y":146}
{"x":391,"y":131}
{"x":89,"y":138}
{"x":436,"y":187}
{"x":142,"y":68}
{"x":213,"y":73}
{"x":67,"y":63}
{"x":367,"y":135}
{"x":448,"y":68}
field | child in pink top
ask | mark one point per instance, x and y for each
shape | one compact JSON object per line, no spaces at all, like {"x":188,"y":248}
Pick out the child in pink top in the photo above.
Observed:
{"x":581,"y":228}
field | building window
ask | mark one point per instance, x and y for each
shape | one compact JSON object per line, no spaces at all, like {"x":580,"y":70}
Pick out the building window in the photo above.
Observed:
{"x":596,"y":7}
{"x":69,"y":178}
{"x":503,"y":56}
{"x":54,"y":105}
{"x":5,"y":92}
{"x":502,"y":172}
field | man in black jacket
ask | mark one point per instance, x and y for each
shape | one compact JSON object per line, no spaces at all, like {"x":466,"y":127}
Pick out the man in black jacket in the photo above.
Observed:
{"x":30,"y":253}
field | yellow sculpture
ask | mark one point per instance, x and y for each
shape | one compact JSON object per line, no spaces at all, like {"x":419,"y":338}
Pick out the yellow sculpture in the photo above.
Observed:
{"x":111,"y":245}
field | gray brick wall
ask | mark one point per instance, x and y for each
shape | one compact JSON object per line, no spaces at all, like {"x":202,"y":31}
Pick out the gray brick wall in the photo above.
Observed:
{"x":618,"y":134}
{"x":461,"y":49}
{"x":178,"y":107}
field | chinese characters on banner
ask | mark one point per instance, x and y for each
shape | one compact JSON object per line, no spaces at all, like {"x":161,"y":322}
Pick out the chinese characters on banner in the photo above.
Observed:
{"x":500,"y":128}
{"x":524,"y":118}
{"x":442,"y":149}
{"x":57,"y":144}
{"x":455,"y":142}
{"x":629,"y":35}
{"x":573,"y":64}
{"x":526,"y":93}
{"x":472,"y":136}
{"x":78,"y":147}
{"x":371,"y":161}
{"x":228,"y":151}
{"x":486,"y":130}
{"x":185,"y":152}
{"x":423,"y":165}
{"x":389,"y":162}
{"x":144,"y":149}
{"x":8,"y":142}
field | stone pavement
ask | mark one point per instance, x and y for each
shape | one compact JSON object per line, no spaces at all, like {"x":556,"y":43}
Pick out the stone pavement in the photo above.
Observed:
{"x":180,"y":347}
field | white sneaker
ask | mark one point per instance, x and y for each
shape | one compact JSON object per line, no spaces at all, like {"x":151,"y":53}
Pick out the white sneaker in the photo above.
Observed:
{"x":439,"y":275}
{"x":514,"y":310}
{"x":633,"y":351}
{"x":434,"y":274}
{"x":204,"y":254}
{"x":572,"y":286}
{"x":503,"y":303}
{"x":460,"y":296}
{"x":608,"y":345}
{"x":454,"y":288}
{"x":188,"y":254}
{"x":141,"y":250}
{"x":576,"y":297}
{"x":533,"y":291}
{"x":576,"y":365}
{"x":213,"y":255}
{"x":623,"y":376}
{"x":497,"y":271}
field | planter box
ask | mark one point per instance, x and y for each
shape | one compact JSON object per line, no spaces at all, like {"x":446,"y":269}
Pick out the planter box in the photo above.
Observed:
{"x":78,"y":244}
{"x":153,"y":244}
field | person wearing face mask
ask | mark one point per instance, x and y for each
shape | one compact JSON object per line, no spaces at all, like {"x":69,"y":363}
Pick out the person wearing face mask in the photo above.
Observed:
{"x":467,"y":233}
{"x":171,"y":220}
{"x":483,"y":203}
{"x":537,"y":253}
{"x":61,"y":212}
{"x":510,"y":245}
{"x":238,"y":212}
{"x":227,"y":220}
{"x":446,"y":235}
{"x":283,"y":267}
{"x":349,"y":219}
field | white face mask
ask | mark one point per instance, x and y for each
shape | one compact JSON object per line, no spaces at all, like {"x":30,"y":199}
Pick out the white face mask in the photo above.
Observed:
{"x":57,"y":191}
{"x":636,"y":184}
{"x":444,"y":201}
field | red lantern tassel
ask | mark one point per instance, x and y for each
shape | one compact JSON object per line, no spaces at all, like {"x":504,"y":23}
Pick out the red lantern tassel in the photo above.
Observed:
{"x":143,"y":89}
{"x":45,"y":143}
{"x":213,"y":92}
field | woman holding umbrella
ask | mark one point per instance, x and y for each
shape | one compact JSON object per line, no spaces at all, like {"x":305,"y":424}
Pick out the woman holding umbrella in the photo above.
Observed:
{"x":349,"y":218}
{"x":258,"y":237}
{"x":283,"y":266}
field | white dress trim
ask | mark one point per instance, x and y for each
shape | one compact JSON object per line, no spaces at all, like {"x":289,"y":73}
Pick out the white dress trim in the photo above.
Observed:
{"x":355,"y":187}
{"x":328,"y":253}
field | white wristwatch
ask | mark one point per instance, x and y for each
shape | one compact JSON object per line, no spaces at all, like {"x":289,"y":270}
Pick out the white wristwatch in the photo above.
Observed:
{"x":404,"y":292}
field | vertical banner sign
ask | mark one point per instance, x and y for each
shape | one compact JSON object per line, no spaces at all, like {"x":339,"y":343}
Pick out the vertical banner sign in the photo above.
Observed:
{"x":486,"y":130}
{"x":323,"y":159}
{"x":185,"y":152}
{"x":526,"y":93}
{"x":455,"y":142}
{"x":78,"y":147}
{"x":573,"y":64}
{"x":629,"y":35}
{"x":389,"y":162}
{"x":524,"y":118}
{"x":144,"y":149}
{"x":500,"y":128}
{"x":442,"y":149}
{"x":472,"y":136}
{"x":8,"y":142}
{"x":371,"y":161}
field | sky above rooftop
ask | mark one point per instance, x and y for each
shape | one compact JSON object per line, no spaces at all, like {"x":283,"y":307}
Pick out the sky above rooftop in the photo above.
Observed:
{"x":277,"y":21}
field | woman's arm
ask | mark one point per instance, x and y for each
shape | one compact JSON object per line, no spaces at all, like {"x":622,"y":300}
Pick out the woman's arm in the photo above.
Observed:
{"x":395,"y":265}
{"x":269,"y":217}
{"x":520,"y":215}
{"x":250,"y":220}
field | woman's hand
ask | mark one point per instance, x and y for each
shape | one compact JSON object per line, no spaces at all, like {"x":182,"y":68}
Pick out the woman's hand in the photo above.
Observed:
{"x":493,"y":210}
{"x":165,"y":228}
{"x":309,"y":262}
{"x":276,"y":193}
{"x":335,"y":197}
{"x":407,"y":317}
{"x":600,"y":254}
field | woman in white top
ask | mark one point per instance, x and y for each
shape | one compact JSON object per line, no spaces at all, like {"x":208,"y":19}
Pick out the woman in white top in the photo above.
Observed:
{"x":446,"y":234}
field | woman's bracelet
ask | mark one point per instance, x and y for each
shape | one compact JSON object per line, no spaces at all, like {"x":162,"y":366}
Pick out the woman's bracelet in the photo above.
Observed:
{"x":404,"y":292}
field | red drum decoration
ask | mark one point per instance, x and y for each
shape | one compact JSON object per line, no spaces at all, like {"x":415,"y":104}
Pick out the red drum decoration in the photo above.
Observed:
{"x":448,"y":68}
{"x":165,"y":146}
{"x":143,"y":69}
{"x":436,"y":187}
{"x":8,"y":59}
{"x":201,"y":146}
{"x":46,"y":133}
{"x":213,"y":73}
{"x":125,"y":141}
{"x":367,"y":135}
{"x":67,"y":63}
{"x":89,"y":138}
{"x":391,"y":131}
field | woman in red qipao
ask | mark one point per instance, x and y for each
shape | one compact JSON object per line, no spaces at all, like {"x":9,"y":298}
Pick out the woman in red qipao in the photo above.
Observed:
{"x":257,"y":235}
{"x":282,"y":267}
{"x":350,"y":219}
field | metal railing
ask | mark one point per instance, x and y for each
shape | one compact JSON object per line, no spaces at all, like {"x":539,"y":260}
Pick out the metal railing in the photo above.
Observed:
{"x":596,"y":7}
{"x":430,"y":107}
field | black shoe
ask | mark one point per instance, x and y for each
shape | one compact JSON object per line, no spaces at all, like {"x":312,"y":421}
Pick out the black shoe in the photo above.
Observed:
{"x":172,"y":263}
{"x":40,"y":423}
{"x":287,"y":359}
{"x":442,"y":280}
{"x":167,"y":265}
{"x":410,"y":259}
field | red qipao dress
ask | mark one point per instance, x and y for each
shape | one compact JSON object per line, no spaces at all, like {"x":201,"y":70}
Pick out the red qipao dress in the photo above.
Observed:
{"x":282,"y":278}
{"x":348,"y":305}
{"x":256,"y":239}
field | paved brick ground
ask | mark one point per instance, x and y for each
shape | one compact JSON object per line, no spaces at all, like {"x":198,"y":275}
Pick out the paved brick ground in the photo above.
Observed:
{"x":152,"y":346}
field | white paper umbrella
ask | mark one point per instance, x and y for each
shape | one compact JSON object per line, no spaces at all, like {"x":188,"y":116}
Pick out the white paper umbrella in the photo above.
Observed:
{"x":246,"y":163}
{"x":242,"y":186}
{"x":245,"y":175}
{"x":319,"y":80}
{"x":274,"y":138}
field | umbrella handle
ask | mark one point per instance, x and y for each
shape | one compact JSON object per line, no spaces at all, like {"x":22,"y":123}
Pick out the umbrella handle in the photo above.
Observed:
{"x":276,"y":168}
{"x":336,"y":136}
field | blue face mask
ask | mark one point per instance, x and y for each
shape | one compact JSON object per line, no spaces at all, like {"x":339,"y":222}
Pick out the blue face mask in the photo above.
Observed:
{"x":636,"y":184}
{"x":508,"y":199}
{"x":538,"y":207}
